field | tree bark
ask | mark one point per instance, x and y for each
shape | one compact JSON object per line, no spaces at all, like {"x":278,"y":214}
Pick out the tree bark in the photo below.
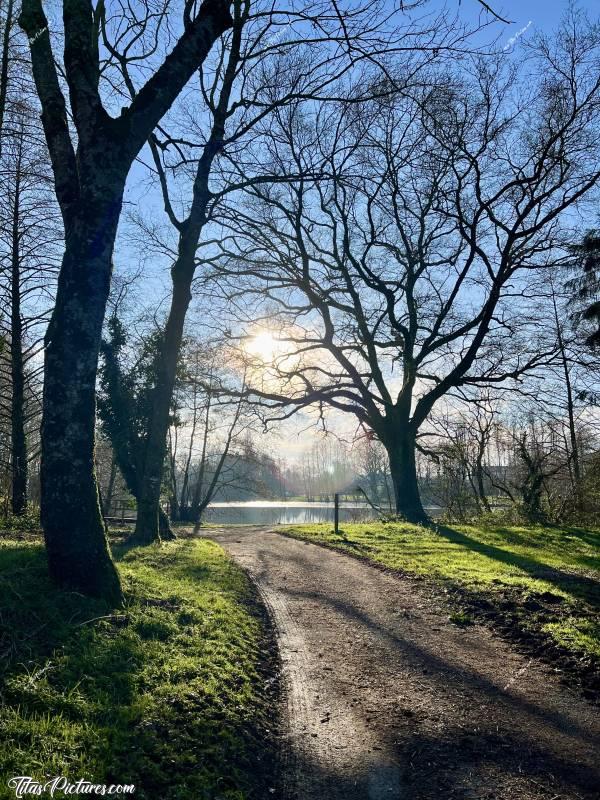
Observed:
{"x":74,"y":530}
{"x":574,"y":463}
{"x":111,"y":485}
{"x":479,"y":473}
{"x":18,"y":437}
{"x":400,"y":445}
{"x":182,"y":275}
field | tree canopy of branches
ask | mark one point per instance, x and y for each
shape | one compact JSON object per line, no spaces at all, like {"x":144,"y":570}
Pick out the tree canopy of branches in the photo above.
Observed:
{"x":405,"y":269}
{"x":30,"y":241}
{"x":30,"y":238}
{"x":269,"y":59}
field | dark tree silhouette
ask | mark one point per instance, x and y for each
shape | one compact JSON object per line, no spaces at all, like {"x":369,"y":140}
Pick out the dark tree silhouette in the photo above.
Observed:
{"x":585,"y":287}
{"x":259,"y":69}
{"x":404,"y":271}
{"x":30,"y":247}
{"x":90,"y":168}
{"x":125,"y":405}
{"x":218,"y":421}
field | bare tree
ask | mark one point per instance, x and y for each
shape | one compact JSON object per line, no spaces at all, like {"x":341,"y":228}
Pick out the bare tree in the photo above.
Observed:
{"x":461,"y":448}
{"x":5,"y":57}
{"x":405,"y":270}
{"x":219,"y":422}
{"x":516,"y":445}
{"x":372,"y":466}
{"x":30,"y":240}
{"x":539,"y":458}
{"x":270,"y":58}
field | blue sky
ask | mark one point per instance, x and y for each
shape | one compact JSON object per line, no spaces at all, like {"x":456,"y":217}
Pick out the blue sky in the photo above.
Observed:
{"x":544,"y":14}
{"x":525,"y":16}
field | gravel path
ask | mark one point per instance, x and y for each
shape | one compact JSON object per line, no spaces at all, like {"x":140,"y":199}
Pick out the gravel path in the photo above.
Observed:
{"x":386,"y":699}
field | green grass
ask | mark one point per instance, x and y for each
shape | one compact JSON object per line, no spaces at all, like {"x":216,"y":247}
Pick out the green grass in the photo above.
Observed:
{"x":577,"y":634}
{"x":553,"y":565}
{"x":166,"y":693}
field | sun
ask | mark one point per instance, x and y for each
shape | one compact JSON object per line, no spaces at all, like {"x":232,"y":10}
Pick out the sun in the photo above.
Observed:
{"x":265,"y":346}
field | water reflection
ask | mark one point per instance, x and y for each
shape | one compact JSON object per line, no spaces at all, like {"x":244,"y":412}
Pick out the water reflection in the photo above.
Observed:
{"x":279,"y":512}
{"x":265,"y":512}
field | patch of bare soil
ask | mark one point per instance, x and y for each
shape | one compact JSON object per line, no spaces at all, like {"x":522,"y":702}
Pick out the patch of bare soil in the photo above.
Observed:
{"x":520,"y":619}
{"x":386,"y":699}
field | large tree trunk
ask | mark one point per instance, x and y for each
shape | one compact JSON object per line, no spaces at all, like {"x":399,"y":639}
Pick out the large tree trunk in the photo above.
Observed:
{"x":147,"y":524}
{"x":182,"y":275}
{"x":18,"y":438}
{"x":78,"y":553}
{"x":401,"y":449}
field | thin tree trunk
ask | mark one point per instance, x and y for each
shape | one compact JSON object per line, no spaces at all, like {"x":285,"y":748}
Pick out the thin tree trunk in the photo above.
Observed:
{"x":479,"y":474}
{"x":18,"y":437}
{"x":570,"y":404}
{"x":4,"y":66}
{"x":200,"y":505}
{"x":183,"y":499}
{"x":182,"y":275}
{"x":147,"y":528}
{"x":110,"y":490}
{"x":175,"y":508}
{"x":164,"y":525}
{"x":212,"y":487}
{"x":199,"y":484}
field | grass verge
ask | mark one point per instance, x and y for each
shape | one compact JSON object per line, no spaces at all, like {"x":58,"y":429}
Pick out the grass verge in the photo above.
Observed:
{"x":167,"y":694}
{"x":540,"y":585}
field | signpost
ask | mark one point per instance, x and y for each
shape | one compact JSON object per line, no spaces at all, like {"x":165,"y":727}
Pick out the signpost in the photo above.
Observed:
{"x":336,"y":513}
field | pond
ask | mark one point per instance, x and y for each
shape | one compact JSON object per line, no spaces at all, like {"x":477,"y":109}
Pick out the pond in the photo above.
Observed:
{"x":279,"y":512}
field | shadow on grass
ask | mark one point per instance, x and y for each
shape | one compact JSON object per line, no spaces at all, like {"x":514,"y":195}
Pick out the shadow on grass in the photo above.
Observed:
{"x":579,"y":586}
{"x":138,"y":695}
{"x":61,"y":682}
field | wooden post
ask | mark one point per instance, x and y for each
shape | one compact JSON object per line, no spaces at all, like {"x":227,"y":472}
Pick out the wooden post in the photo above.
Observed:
{"x":336,"y":513}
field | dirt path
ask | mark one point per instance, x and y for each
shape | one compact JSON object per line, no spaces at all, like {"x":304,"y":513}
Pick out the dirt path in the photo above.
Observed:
{"x":388,"y":700}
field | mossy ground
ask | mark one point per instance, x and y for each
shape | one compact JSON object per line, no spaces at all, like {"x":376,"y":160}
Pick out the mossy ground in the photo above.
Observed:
{"x":167,"y":693}
{"x":552,"y":574}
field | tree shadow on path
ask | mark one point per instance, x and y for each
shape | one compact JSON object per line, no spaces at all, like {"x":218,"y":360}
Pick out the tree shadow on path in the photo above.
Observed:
{"x":579,"y":586}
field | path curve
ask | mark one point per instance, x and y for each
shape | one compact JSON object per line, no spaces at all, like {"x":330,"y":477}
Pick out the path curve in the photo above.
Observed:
{"x":386,"y":699}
